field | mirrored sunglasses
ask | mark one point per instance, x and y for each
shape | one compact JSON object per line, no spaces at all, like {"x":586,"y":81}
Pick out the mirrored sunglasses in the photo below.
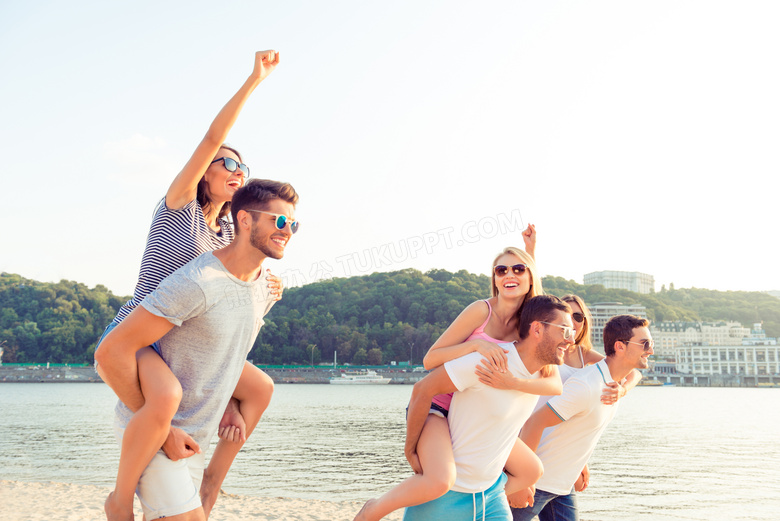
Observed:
{"x":281,"y":220}
{"x":502,"y":270}
{"x":578,"y":317}
{"x":231,"y":165}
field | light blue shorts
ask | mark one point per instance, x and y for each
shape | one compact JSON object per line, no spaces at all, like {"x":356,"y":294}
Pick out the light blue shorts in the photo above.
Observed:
{"x":490,"y":505}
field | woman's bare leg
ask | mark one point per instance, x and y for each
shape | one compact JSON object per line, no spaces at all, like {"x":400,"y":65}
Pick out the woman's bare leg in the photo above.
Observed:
{"x":435,"y":452}
{"x":253,"y":394}
{"x":146,"y":431}
{"x":523,"y":468}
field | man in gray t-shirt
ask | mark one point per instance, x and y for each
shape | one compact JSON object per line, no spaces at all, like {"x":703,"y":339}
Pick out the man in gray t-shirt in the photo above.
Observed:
{"x":218,"y":317}
{"x":205,"y":318}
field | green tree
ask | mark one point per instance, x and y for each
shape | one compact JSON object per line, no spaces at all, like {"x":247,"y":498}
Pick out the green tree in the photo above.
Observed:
{"x":360,"y":357}
{"x":374,"y":356}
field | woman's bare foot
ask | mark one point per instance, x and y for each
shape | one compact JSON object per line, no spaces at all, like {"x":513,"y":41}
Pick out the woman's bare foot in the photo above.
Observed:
{"x":366,"y":513}
{"x":115,"y":511}
{"x":232,"y":426}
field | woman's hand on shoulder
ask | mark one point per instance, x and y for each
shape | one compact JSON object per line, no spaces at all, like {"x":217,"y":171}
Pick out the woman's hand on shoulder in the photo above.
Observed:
{"x":493,"y":353}
{"x":265,"y":63}
{"x":275,"y":285}
{"x":488,"y":375}
{"x":612,"y":393}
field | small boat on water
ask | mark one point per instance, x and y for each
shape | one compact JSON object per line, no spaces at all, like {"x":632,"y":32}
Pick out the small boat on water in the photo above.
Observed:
{"x":359,"y":378}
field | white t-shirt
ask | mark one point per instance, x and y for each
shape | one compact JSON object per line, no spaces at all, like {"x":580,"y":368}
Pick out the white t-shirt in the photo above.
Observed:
{"x":484,"y":421}
{"x":566,"y":448}
{"x":565,"y":371}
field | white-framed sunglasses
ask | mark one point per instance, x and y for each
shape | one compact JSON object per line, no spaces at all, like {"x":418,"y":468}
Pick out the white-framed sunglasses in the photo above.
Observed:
{"x":568,"y":332}
{"x":281,"y":220}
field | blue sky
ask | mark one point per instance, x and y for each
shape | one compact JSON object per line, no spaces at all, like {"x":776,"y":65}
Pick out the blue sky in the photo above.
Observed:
{"x":637,"y":136}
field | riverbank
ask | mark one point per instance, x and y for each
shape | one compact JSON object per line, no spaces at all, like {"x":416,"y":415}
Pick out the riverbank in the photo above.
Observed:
{"x":286,"y":375}
{"x":397,"y":374}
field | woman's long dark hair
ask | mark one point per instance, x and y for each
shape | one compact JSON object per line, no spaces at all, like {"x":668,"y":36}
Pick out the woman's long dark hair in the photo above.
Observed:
{"x":203,"y":198}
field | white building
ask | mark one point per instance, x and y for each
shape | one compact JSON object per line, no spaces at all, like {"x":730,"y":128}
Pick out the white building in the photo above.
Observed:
{"x":630,"y":280}
{"x":602,"y":312}
{"x":670,"y":335}
{"x":756,"y":355}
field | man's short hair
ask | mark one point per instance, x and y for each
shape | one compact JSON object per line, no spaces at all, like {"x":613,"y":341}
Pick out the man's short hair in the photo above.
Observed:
{"x":541,"y":308}
{"x":620,"y":328}
{"x":256,"y":194}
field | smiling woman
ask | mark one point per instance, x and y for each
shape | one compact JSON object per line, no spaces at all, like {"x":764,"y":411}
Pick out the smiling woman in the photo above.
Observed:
{"x":481,"y":327}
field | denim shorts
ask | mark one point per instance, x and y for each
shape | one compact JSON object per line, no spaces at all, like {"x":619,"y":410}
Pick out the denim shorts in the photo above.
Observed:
{"x":108,"y":329}
{"x":438,"y":410}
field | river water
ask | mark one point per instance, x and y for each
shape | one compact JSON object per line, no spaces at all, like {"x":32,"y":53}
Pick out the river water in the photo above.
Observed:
{"x":678,"y":453}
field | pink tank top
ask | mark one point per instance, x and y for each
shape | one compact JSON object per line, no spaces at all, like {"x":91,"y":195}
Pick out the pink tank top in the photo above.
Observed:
{"x":444,"y":400}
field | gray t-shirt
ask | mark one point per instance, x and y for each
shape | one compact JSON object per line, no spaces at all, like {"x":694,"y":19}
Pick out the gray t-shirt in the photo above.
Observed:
{"x":218,"y":318}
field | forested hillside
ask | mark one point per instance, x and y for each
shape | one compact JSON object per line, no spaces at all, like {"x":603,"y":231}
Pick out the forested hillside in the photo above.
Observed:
{"x":45,"y":322}
{"x":371,"y":319}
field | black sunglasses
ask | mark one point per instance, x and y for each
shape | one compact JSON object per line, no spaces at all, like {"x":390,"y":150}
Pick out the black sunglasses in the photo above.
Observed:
{"x":231,"y":165}
{"x":578,"y":317}
{"x":502,"y":270}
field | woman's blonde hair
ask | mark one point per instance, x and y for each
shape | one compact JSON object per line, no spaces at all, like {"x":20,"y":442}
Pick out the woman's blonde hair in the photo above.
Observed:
{"x":533,"y":291}
{"x":536,"y":280}
{"x":583,"y":339}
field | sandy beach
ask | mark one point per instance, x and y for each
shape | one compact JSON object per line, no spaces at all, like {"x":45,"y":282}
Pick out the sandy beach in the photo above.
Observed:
{"x":21,"y":501}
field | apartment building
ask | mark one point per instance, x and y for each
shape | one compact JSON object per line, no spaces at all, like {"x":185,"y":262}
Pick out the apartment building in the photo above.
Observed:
{"x":630,"y":280}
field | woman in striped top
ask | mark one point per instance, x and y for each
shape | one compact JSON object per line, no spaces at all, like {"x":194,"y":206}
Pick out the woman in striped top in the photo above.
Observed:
{"x":191,"y":220}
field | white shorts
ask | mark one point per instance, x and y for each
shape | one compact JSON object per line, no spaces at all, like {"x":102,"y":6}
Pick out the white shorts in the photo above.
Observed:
{"x":169,"y":488}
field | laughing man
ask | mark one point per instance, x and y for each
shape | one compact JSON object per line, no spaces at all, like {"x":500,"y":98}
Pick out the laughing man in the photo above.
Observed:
{"x":564,"y":433}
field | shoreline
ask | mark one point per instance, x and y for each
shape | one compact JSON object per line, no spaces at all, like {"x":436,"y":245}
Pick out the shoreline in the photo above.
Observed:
{"x":32,"y":501}
{"x":398,"y":376}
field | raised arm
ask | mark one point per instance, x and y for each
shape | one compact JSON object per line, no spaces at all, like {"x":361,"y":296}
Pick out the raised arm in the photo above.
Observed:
{"x":184,"y":187}
{"x":544,"y":386}
{"x":436,"y":382}
{"x":529,"y":238}
{"x":116,"y":354}
{"x":452,"y":343}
